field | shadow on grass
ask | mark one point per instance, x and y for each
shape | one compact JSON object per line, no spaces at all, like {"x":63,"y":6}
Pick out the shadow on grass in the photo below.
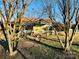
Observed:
{"x":53,"y":39}
{"x":52,"y":47}
{"x":21,"y":54}
{"x":3,"y":43}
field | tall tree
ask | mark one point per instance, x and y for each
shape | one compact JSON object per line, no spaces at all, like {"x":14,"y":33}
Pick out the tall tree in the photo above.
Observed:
{"x":68,"y":9}
{"x":48,"y":9}
{"x":12,"y":9}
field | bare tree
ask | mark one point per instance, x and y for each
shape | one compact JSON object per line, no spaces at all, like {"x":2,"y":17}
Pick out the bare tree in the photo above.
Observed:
{"x":68,"y":9}
{"x":13,"y":9}
{"x":48,"y":9}
{"x":68,"y":12}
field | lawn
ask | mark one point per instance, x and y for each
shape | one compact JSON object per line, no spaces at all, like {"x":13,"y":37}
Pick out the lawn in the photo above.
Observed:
{"x":53,"y":41}
{"x":48,"y":48}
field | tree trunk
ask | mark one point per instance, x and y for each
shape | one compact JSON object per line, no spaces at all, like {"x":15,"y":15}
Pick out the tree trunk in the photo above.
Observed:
{"x":77,"y":29}
{"x":9,"y":40}
{"x":70,"y":24}
{"x":67,"y":47}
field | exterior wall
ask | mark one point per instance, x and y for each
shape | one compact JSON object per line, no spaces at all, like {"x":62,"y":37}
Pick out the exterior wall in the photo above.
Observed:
{"x":39,"y":29}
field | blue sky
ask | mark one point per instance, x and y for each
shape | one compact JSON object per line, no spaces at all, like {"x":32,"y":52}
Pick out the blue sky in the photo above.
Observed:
{"x":34,"y":10}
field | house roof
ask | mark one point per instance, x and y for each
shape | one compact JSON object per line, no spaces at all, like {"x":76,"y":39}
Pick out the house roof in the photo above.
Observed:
{"x":27,"y":19}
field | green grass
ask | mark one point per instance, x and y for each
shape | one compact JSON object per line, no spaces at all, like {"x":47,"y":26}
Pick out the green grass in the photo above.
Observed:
{"x":1,"y":52}
{"x":57,"y":44}
{"x":44,"y":52}
{"x":1,"y":57}
{"x":75,"y":48}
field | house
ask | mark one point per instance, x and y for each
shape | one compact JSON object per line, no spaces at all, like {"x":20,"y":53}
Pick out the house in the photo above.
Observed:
{"x":30,"y":22}
{"x":36,"y":25}
{"x":40,"y":29}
